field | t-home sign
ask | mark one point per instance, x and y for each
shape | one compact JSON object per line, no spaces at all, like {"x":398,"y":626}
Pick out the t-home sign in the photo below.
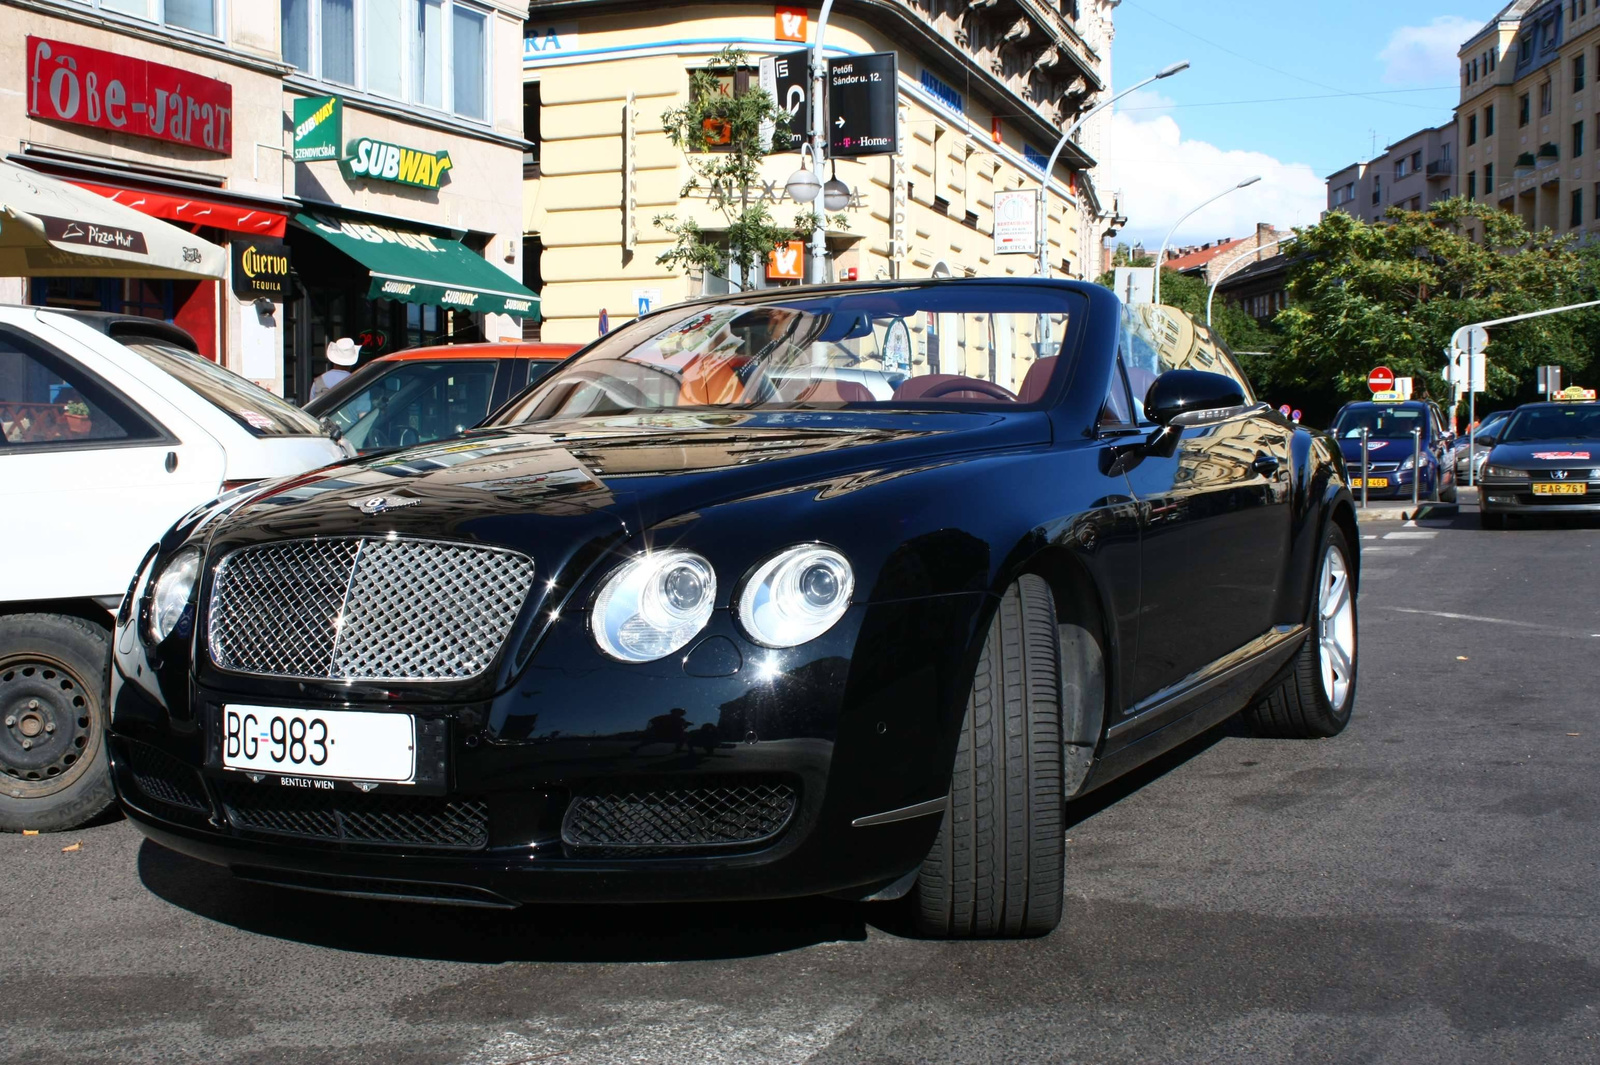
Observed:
{"x":390,"y":162}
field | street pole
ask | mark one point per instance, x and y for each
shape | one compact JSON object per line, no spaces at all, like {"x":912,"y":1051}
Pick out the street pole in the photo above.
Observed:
{"x":1162,"y":254}
{"x":819,"y":147}
{"x":1416,"y":470}
{"x":1213,"y":293}
{"x":1366,"y":476}
{"x":1043,"y":225}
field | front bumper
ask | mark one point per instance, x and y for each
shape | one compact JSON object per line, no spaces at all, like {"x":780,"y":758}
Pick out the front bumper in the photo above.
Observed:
{"x":1517,"y":497}
{"x":843,"y":736}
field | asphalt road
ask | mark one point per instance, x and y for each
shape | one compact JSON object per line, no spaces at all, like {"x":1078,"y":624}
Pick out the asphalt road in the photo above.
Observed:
{"x":1420,"y":889}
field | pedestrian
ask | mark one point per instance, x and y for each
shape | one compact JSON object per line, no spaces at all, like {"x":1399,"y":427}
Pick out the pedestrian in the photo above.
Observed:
{"x":341,"y":353}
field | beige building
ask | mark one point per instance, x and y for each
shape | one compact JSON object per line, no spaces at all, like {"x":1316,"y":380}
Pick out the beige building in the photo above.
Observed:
{"x":1526,"y":122}
{"x":984,"y":90}
{"x":187,"y":111}
{"x":1412,"y":174}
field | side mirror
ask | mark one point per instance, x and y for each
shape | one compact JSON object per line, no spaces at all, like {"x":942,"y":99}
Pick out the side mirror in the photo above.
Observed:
{"x":1181,"y":399}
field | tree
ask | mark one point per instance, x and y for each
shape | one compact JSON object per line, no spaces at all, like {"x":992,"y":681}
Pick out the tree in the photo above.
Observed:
{"x":721,"y":132}
{"x":1240,"y":332}
{"x":1393,"y":293}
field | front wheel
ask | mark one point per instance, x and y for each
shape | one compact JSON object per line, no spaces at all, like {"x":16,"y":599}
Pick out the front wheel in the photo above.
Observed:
{"x":998,"y":864}
{"x":1313,"y":695}
{"x":54,"y":773}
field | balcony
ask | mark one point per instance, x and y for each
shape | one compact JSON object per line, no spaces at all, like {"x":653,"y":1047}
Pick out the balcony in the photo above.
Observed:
{"x":1441,"y":168}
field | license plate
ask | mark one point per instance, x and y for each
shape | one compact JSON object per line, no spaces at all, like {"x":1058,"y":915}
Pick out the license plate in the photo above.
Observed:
{"x":1372,"y":482}
{"x":1560,"y":489}
{"x":332,"y":744}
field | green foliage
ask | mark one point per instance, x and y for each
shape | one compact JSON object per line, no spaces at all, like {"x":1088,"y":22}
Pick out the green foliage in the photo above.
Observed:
{"x":1124,"y":256}
{"x":720,"y":132}
{"x":1392,"y":293}
{"x":1241,"y":333}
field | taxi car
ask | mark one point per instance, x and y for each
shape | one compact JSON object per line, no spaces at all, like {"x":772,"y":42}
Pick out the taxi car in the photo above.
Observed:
{"x":1546,"y":461}
{"x":1391,"y":453}
{"x":701,"y":615}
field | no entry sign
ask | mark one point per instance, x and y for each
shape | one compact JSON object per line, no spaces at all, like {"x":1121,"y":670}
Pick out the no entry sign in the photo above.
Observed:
{"x":1381,"y":379}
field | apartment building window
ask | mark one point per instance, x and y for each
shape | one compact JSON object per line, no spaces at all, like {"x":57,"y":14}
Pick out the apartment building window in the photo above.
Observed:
{"x":1474,"y":70}
{"x":199,"y":16}
{"x":1493,"y":61}
{"x":1488,"y":121}
{"x":1523,"y":110}
{"x":1577,"y":209}
{"x":1577,"y":139}
{"x":1488,"y":179}
{"x":1578,"y":72}
{"x":1597,"y":200}
{"x":1546,"y":99}
{"x":1402,"y":167}
{"x":1377,"y":188}
{"x":429,"y":52}
{"x":532,"y":113}
{"x":1344,"y":194}
{"x":1472,"y":184}
{"x":1472,"y":129}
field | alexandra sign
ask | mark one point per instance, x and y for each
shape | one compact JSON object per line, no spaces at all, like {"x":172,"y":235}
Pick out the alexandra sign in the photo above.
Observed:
{"x":107,"y":90}
{"x":260,"y":268}
{"x":381,"y":161}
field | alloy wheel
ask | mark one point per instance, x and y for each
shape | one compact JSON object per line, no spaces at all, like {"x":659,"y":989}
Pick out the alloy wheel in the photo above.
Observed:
{"x":1336,"y":627}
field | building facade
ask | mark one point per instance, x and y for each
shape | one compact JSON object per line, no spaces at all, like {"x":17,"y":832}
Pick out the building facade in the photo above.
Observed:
{"x":1527,"y":113}
{"x":983,"y":92}
{"x":188,"y":111}
{"x":1412,"y":174}
{"x":1216,"y":259}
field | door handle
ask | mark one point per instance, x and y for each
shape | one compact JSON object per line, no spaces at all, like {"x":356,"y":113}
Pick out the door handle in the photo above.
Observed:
{"x":172,"y":461}
{"x":1266,"y":466}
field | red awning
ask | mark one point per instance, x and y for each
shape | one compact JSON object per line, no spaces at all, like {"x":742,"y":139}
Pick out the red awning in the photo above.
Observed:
{"x":191,"y":211}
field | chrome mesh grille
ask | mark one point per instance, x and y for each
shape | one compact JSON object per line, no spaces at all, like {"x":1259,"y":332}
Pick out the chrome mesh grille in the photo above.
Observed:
{"x":365,"y":608}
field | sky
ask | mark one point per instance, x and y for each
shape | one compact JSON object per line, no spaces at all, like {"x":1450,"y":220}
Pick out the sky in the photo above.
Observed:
{"x":1292,"y":90}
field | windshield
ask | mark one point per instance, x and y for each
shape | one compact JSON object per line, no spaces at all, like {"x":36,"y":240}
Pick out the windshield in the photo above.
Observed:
{"x":1564,"y":422}
{"x":1381,"y":423}
{"x":943,"y":343}
{"x":260,"y":412}
{"x":414,"y":402}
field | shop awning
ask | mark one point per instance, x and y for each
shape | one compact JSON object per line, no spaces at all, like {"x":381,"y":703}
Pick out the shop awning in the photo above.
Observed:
{"x":50,"y":228}
{"x":419,"y":267}
{"x":194,"y":211}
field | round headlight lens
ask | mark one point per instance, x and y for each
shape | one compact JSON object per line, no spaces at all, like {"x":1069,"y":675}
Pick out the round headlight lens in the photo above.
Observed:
{"x":172,"y":591}
{"x":796,"y":596}
{"x":653,"y":605}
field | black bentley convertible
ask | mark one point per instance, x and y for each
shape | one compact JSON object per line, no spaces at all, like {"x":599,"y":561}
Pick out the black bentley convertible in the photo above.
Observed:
{"x":840,"y":590}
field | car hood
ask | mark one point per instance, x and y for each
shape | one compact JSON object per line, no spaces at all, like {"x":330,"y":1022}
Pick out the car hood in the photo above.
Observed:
{"x":1377,"y":450}
{"x":1547,"y":454}
{"x":618,"y":474}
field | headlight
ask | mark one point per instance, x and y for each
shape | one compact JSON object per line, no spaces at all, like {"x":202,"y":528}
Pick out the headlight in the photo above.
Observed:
{"x":653,"y":605}
{"x":1594,"y":474}
{"x":1410,"y":460}
{"x":172,"y":590}
{"x":1506,"y":472}
{"x":795,"y":596}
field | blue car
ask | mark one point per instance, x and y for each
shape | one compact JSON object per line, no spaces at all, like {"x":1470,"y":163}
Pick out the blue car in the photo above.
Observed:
{"x":1390,"y":449}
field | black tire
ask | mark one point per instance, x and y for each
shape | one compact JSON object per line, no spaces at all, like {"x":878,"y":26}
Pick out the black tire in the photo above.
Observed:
{"x":1491,"y":521}
{"x":54,"y":677}
{"x":998,"y":865}
{"x":1296,"y":704}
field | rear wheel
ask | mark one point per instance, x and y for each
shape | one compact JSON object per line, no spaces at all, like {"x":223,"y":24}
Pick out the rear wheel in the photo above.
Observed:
{"x":998,"y":864}
{"x":54,"y":773}
{"x":1313,"y":695}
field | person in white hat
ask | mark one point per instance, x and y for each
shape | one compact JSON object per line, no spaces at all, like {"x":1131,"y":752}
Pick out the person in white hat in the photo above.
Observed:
{"x":342,"y":352}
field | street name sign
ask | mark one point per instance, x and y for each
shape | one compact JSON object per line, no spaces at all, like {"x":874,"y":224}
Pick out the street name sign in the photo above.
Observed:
{"x":863,"y":111}
{"x":1381,"y":379}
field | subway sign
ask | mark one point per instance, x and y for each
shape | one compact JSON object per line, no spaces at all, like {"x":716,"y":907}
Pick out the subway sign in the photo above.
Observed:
{"x":381,"y":161}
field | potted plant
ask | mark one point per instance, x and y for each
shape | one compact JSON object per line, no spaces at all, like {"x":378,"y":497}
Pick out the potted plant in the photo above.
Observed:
{"x":76,"y":417}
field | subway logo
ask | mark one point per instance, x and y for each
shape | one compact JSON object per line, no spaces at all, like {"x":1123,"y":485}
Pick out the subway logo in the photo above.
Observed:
{"x":390,"y":162}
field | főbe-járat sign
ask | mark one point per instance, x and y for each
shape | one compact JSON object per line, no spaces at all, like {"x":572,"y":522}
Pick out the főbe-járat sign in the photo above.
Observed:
{"x":381,"y":161}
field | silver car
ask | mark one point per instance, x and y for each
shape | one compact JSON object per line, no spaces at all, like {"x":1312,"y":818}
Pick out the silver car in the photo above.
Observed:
{"x":1487,"y":436}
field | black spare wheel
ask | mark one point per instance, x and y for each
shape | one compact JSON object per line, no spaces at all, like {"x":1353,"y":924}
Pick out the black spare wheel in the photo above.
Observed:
{"x":998,"y":864}
{"x":54,"y":774}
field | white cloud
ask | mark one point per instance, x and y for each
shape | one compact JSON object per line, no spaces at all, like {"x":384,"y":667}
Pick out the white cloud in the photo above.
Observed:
{"x":1426,"y":55}
{"x":1162,"y":175}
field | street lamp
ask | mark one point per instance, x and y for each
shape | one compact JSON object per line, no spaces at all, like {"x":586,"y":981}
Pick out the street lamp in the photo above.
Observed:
{"x":819,"y":147}
{"x":1050,"y":167}
{"x":1162,"y":254}
{"x":1220,"y":277}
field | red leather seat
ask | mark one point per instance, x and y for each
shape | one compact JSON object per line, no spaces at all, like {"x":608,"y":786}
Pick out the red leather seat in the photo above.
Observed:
{"x":831,"y":390}
{"x":918,"y":387}
{"x":1037,"y":380}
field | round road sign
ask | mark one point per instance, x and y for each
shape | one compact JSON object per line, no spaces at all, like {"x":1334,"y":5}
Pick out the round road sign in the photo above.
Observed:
{"x":1381,"y":379}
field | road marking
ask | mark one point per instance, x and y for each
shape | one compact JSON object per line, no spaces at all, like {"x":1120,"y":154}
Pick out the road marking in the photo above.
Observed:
{"x":1374,"y":536}
{"x":1411,"y":535}
{"x":1489,"y":621}
{"x":1390,"y":550}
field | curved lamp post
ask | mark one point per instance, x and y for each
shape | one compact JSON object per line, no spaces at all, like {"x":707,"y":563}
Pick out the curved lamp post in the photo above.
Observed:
{"x":819,"y":149}
{"x":1222,"y":277}
{"x":1050,"y":167}
{"x":1161,"y":255}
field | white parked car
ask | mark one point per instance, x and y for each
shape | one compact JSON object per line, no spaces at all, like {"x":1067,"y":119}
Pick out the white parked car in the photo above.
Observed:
{"x":111,"y":428}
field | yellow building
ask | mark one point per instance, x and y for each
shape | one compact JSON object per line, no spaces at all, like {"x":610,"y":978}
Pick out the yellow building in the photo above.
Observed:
{"x":984,"y":91}
{"x":1527,"y":124}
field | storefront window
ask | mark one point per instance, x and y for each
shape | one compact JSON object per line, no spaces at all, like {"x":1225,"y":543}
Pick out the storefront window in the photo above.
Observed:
{"x":427,"y":53}
{"x":339,"y":41}
{"x":385,"y":47}
{"x":297,"y":33}
{"x":467,"y":51}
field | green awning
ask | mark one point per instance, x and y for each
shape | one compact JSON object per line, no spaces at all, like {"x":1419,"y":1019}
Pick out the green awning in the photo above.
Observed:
{"x":419,"y":267}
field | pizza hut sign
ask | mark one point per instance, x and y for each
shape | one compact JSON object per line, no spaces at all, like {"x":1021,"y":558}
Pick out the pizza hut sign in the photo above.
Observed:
{"x":106,"y":90}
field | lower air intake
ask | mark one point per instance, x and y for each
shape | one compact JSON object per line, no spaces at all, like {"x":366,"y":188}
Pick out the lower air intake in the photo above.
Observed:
{"x":670,"y":819}
{"x":345,"y":817}
{"x":164,"y":779}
